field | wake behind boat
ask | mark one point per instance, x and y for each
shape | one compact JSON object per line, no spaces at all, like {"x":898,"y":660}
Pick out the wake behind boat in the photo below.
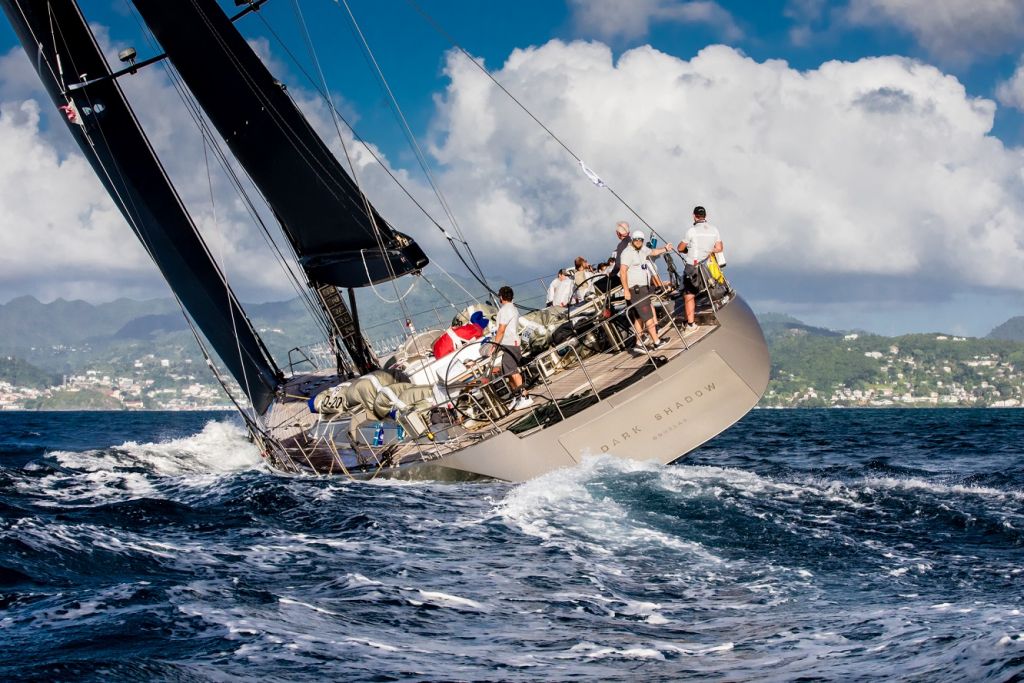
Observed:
{"x":595,"y":387}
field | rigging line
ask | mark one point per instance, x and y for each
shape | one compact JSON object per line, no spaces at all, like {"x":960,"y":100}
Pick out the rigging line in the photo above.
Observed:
{"x":285,"y":264}
{"x":227,"y":289}
{"x":204,"y":128}
{"x":56,"y":53}
{"x":131,"y":210}
{"x":370,"y":213}
{"x":401,"y":297}
{"x":368,"y":148}
{"x":441,"y":294}
{"x":40,"y":54}
{"x":355,"y":176}
{"x":440,"y":30}
{"x":458,"y":284}
{"x":323,"y":80}
{"x":407,"y":130}
{"x":235,"y":309}
{"x":317,"y":167}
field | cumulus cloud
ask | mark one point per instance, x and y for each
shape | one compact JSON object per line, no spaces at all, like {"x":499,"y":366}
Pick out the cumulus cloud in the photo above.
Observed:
{"x":58,"y":229}
{"x":612,"y":19}
{"x":55,"y":217}
{"x":952,"y":31}
{"x":875,"y":178}
{"x":1011,"y":91}
{"x":856,"y":181}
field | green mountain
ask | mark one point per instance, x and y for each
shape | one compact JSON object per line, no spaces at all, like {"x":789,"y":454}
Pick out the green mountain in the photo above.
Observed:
{"x":1011,"y":330}
{"x":20,"y":373}
{"x":27,"y":323}
{"x":150,"y":341}
{"x":63,"y":337}
{"x":781,"y":326}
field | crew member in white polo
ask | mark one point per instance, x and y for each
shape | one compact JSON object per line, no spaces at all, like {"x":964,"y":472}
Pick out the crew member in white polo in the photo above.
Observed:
{"x":635,"y":272}
{"x":700,"y":242}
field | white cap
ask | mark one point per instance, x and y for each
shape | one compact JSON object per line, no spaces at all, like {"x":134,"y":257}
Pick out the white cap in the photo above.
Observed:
{"x":638,"y":234}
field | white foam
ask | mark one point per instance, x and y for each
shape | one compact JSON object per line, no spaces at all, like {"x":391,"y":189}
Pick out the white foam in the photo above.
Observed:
{"x":219,"y":447}
{"x":591,"y":650}
{"x":439,"y":599}
{"x":132,"y":470}
{"x":913,"y":483}
{"x":648,"y":610}
{"x":321,"y":610}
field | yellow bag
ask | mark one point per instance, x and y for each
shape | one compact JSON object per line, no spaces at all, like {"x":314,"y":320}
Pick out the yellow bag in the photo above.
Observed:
{"x":714,"y":270}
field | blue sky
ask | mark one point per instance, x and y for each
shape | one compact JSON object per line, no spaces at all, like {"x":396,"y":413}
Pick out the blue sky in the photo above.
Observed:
{"x":848,"y":218}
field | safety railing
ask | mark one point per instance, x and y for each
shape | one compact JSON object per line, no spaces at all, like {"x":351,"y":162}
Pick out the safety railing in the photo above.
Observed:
{"x":484,"y":402}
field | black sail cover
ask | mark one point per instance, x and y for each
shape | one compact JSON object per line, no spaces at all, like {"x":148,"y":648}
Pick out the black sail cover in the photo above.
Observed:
{"x":56,"y":37}
{"x":322,"y":211}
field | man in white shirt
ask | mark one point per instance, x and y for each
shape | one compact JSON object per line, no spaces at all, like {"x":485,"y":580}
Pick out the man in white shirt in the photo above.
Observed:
{"x":635,"y":271}
{"x":702,"y":240}
{"x":507,"y":340}
{"x":560,"y":290}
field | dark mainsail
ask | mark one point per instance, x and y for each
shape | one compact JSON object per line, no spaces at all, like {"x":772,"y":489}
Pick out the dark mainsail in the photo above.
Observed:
{"x":64,"y":52}
{"x":324,"y":214}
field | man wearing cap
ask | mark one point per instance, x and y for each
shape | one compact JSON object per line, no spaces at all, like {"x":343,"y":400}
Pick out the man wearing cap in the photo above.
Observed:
{"x":454,"y":338}
{"x":702,"y":240}
{"x":635,"y":272}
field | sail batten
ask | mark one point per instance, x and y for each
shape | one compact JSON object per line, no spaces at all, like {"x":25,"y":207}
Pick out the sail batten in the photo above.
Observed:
{"x":338,"y":237}
{"x":109,"y":135}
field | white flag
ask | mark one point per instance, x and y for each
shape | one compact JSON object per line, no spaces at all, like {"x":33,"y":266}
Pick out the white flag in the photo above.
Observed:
{"x":594,"y":178}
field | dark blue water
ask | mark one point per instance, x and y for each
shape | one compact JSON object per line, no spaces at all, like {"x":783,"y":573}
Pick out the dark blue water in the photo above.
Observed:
{"x":813,"y":545}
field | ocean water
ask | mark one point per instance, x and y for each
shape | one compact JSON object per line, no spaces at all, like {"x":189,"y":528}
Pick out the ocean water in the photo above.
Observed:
{"x":800,"y":545}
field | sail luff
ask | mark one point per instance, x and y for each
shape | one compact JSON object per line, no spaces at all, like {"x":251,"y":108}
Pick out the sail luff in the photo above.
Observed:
{"x":112,"y":140}
{"x":336,"y":233}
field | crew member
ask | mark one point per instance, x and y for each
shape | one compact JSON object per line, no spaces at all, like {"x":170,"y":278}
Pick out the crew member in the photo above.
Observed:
{"x":560,"y":289}
{"x":507,"y":339}
{"x":635,"y":273}
{"x":701,"y":241}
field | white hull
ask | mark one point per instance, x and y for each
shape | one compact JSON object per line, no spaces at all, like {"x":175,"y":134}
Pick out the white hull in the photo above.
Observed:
{"x":664,"y":416}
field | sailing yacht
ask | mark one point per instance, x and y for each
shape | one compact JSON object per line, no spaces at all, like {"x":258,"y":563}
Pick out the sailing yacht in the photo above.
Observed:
{"x":349,"y":411}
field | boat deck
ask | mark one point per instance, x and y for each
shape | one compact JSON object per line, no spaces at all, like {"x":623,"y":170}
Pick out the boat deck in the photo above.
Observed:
{"x":561,"y":381}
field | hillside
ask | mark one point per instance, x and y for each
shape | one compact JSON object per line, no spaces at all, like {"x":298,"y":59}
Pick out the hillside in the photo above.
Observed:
{"x":20,"y":373}
{"x":871,"y":370}
{"x":147,"y":357}
{"x":1011,"y":330}
{"x":27,"y":323}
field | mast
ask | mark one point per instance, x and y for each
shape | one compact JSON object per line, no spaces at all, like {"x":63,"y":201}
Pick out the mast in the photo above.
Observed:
{"x":338,"y":236}
{"x":64,"y":51}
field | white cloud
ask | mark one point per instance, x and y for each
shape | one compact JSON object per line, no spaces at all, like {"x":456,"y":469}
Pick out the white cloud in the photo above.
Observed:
{"x":876,"y":172}
{"x":805,"y":15}
{"x":58,"y":229}
{"x":61,"y":235}
{"x":611,"y":19}
{"x":1011,"y":91}
{"x":952,"y":31}
{"x":852,"y":181}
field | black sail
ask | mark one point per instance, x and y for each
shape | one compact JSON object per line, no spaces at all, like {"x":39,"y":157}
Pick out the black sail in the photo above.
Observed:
{"x":56,"y":37}
{"x":322,"y":211}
